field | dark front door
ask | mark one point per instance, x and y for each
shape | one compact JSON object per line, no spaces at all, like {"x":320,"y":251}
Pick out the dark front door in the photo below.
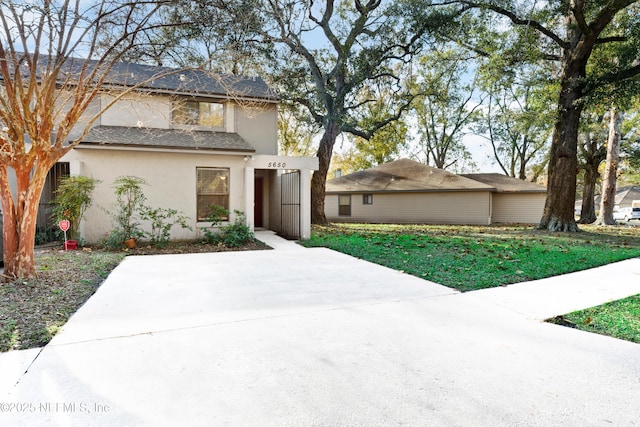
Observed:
{"x":257,"y":202}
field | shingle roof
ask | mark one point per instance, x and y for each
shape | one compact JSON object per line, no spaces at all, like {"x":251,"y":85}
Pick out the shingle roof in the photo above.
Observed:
{"x":190,"y":81}
{"x":166,"y":138}
{"x":195,"y":82}
{"x":506,"y":184}
{"x":404,"y":175}
{"x":624,"y":195}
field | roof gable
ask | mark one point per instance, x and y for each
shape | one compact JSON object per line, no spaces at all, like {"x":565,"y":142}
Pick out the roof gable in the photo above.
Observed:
{"x":404,"y":175}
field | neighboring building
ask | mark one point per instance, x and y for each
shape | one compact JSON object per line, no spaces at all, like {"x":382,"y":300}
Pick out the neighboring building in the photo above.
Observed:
{"x":513,"y":200}
{"x":197,"y":139}
{"x":624,"y":196}
{"x":405,"y":191}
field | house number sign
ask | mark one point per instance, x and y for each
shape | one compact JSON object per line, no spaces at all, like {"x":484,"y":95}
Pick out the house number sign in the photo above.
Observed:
{"x":277,"y":165}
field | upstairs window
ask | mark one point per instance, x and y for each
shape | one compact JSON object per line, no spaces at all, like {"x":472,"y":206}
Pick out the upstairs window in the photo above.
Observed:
{"x":197,"y":113}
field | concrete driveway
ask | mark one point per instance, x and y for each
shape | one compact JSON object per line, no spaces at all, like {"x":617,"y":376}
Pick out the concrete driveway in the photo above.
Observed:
{"x":311,"y":337}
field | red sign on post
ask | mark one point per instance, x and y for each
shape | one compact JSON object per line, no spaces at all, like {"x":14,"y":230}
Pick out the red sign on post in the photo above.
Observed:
{"x":64,"y":225}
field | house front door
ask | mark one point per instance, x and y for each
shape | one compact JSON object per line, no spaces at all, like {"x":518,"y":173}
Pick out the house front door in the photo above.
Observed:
{"x":257,"y":203}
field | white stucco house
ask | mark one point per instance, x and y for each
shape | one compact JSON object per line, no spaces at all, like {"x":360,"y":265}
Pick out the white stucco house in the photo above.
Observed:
{"x":198,"y":139}
{"x":405,"y":191}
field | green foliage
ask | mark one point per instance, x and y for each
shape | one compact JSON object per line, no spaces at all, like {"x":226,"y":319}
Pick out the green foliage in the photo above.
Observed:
{"x":444,"y":108}
{"x":72,"y":199}
{"x":518,"y":116}
{"x":619,"y":319}
{"x":132,"y":209}
{"x":232,"y":235}
{"x":238,"y":233}
{"x":8,"y":336}
{"x":114,"y":239}
{"x":469,"y":258}
{"x":296,"y":131}
{"x":162,"y":220}
{"x":384,"y":145}
{"x":130,"y":201}
{"x":47,"y":235}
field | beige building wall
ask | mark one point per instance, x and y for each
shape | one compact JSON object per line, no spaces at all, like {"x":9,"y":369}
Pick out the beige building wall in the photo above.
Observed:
{"x":518,"y":208}
{"x":172,"y":184}
{"x":137,"y":110}
{"x":427,"y":208}
{"x":259,"y":127}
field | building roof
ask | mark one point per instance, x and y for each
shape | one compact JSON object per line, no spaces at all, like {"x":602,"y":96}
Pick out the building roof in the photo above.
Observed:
{"x":506,"y":184}
{"x":165,"y":138}
{"x":189,"y":81}
{"x":196,"y":82}
{"x":624,"y":196}
{"x":402,"y":176}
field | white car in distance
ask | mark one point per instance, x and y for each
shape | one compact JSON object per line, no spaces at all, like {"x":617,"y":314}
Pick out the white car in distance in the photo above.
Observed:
{"x":627,"y":214}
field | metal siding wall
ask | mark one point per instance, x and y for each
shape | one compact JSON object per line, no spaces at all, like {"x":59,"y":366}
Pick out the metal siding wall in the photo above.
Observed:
{"x":520,"y":208}
{"x":429,"y":208}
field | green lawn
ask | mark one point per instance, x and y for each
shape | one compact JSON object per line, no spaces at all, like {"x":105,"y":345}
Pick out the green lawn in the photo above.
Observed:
{"x":470,"y":258}
{"x":620,"y":319}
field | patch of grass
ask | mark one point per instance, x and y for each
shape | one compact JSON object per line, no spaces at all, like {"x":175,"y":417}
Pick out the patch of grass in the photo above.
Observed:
{"x":469,"y":258}
{"x":619,"y":319}
{"x":32,"y":312}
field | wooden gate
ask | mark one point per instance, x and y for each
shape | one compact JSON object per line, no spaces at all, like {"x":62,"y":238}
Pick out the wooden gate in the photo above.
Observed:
{"x":290,"y":205}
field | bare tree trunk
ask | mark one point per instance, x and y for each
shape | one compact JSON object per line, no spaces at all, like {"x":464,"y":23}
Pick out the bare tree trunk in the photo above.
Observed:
{"x":319,"y":178}
{"x":558,"y":214}
{"x":588,"y":210}
{"x":608,"y":200}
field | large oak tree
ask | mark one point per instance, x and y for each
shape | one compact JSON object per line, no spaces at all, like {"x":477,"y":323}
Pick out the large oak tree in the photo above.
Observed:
{"x":324,"y":55}
{"x":569,"y":32}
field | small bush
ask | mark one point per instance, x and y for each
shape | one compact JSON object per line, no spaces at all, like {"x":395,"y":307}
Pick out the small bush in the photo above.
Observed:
{"x":130,"y":200}
{"x":47,"y":235}
{"x":237,"y":234}
{"x":233,"y":235}
{"x":162,"y":220}
{"x":73,"y":197}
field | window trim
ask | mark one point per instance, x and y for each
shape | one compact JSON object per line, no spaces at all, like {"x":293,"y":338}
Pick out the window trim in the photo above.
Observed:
{"x":174,"y":106}
{"x":227,"y":194}
{"x":367,"y":199}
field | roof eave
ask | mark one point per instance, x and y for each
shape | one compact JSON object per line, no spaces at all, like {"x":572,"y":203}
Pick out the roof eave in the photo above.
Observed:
{"x":171,"y":149}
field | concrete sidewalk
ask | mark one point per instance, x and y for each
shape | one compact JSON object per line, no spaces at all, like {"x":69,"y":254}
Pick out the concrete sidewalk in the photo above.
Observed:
{"x":297,"y":336}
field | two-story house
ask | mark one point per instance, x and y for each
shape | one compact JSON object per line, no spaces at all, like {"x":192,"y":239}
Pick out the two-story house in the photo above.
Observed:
{"x":198,"y":139}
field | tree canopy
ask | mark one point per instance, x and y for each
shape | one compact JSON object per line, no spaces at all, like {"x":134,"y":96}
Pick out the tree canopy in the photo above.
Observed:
{"x":570,"y":34}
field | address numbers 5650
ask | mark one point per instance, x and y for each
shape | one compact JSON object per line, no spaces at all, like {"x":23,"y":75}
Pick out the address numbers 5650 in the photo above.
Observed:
{"x":277,"y":165}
